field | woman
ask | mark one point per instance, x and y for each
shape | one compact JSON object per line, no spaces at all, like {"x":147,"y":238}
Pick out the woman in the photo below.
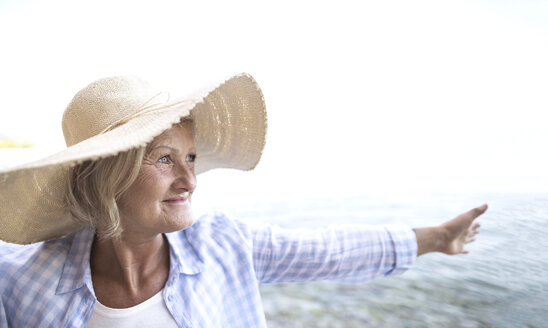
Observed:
{"x":120,"y":245}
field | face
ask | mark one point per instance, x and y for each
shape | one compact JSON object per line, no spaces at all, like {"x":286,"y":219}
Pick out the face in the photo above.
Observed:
{"x":158,"y":201}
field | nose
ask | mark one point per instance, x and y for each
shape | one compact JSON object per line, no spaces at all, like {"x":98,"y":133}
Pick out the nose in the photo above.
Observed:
{"x":185,"y":179}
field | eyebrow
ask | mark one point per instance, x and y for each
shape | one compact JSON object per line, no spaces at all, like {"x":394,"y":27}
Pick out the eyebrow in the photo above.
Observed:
{"x":175,"y":150}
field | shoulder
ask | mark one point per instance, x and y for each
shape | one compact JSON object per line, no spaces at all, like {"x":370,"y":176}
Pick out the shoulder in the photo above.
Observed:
{"x":15,"y":256}
{"x":19,"y":263}
{"x":37,"y":281}
{"x":220,"y":225}
{"x":214,"y":233}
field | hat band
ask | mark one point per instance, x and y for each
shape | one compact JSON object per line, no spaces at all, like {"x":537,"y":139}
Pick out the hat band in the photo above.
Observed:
{"x":145,"y":108}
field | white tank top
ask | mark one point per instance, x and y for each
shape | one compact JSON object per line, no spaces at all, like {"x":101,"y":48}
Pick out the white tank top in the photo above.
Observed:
{"x":151,"y":313}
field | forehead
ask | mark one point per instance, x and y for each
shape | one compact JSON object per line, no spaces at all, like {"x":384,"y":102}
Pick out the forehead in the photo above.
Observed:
{"x":180,"y":134}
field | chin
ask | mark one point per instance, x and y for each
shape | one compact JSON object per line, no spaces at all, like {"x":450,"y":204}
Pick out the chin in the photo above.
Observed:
{"x":182,"y":223}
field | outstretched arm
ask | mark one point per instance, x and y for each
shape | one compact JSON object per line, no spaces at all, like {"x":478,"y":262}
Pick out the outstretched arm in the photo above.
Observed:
{"x":450,"y":237}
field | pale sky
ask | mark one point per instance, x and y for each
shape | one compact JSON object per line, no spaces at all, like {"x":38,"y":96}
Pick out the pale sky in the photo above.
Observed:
{"x":361,"y":96}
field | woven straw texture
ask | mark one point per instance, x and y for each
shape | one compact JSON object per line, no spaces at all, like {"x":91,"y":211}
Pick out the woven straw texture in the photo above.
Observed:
{"x":114,"y":115}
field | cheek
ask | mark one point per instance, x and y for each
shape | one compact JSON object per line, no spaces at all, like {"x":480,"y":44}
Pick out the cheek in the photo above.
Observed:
{"x":147,"y":187}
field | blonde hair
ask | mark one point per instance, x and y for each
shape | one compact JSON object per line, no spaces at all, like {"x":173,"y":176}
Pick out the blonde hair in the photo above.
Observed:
{"x":94,"y":187}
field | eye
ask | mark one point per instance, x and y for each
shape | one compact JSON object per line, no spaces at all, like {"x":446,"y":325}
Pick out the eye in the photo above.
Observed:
{"x":191,"y":158}
{"x":164,"y":159}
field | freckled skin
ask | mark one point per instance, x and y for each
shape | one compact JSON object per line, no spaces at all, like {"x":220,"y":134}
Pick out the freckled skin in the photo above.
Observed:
{"x":167,"y":172}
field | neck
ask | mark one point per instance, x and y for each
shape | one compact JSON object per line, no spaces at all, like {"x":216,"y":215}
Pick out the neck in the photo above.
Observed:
{"x":132,"y":264}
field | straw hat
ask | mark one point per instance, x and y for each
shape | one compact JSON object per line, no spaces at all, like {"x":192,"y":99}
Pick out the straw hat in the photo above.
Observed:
{"x":113,"y":115}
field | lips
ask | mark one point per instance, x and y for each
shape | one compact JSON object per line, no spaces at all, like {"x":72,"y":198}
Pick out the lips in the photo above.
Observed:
{"x":180,"y":199}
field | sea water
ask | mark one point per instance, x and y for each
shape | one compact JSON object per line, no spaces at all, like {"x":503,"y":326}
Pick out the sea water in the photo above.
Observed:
{"x":502,"y":282}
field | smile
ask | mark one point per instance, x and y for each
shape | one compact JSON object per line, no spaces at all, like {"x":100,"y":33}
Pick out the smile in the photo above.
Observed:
{"x":181,"y":199}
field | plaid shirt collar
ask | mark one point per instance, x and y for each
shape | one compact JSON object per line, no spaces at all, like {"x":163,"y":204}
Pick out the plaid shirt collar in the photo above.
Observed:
{"x":76,"y":271}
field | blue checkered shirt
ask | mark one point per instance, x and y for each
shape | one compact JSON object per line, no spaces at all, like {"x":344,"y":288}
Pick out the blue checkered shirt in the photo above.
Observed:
{"x":216,"y":266}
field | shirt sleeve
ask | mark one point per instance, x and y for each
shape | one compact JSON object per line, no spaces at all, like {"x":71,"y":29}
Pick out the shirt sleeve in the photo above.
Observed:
{"x":3,"y":315}
{"x":348,"y":253}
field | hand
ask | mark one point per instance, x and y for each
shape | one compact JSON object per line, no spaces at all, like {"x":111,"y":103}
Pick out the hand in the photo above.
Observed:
{"x":450,"y":237}
{"x":461,"y":231}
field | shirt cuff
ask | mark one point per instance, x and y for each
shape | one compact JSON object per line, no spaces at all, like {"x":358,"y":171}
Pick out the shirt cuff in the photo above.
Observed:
{"x":405,"y":246}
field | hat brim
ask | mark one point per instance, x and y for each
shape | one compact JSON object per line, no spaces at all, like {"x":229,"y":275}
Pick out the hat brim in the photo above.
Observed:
{"x":229,"y":130}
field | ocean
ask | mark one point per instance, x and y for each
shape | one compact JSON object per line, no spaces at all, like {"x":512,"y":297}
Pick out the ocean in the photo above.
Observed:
{"x":503,"y":282}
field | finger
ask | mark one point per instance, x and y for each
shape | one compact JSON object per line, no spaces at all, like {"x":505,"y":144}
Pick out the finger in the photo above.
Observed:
{"x":475,"y":212}
{"x":464,"y":251}
{"x":469,"y":240}
{"x":475,"y":228}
